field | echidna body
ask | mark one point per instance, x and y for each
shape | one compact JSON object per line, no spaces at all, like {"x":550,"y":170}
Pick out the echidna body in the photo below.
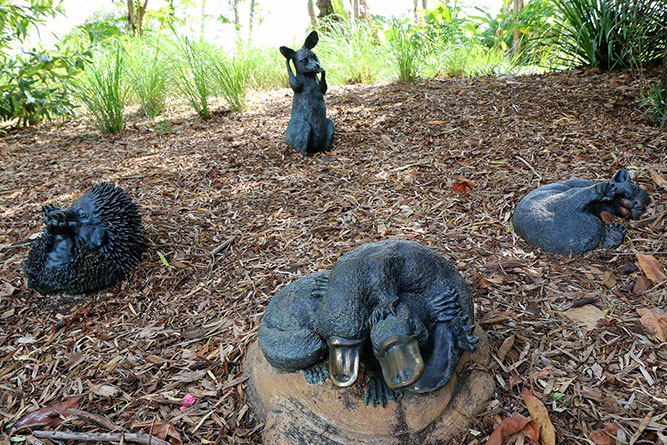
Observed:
{"x":94,"y":244}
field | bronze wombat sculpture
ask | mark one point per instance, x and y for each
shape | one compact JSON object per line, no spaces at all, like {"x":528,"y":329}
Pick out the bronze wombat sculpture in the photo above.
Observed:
{"x":565,"y":217}
{"x":397,"y":306}
{"x":94,"y":244}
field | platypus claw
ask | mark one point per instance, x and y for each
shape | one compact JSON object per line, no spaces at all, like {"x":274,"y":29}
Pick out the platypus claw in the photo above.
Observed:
{"x":321,"y":285}
{"x":378,"y":393}
{"x":316,"y":375}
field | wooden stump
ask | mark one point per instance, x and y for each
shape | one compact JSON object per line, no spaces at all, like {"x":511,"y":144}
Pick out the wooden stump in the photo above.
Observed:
{"x":295,"y":412}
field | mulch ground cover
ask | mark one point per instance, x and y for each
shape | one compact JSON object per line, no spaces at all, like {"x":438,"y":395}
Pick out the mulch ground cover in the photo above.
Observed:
{"x":232,"y":214}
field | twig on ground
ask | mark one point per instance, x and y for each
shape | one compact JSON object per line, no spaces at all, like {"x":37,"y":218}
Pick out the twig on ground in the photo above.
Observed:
{"x":101,"y":437}
{"x":222,"y":246}
{"x":15,"y":246}
{"x":95,"y":418}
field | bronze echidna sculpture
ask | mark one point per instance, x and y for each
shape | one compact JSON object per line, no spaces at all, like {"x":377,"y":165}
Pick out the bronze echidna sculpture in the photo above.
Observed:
{"x":94,"y":244}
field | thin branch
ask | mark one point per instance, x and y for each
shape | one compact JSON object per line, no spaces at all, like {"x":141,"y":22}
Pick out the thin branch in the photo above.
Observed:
{"x":101,"y":437}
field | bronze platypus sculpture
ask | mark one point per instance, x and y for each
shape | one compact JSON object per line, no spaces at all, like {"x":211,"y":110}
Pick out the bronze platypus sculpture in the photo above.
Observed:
{"x":397,"y":306}
{"x":566,"y":217}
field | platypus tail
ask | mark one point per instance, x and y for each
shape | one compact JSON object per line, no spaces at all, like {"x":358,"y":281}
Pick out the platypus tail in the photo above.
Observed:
{"x":291,"y":350}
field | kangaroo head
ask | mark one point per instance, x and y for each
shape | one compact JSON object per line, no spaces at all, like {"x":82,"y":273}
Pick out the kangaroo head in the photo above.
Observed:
{"x":305,"y":61}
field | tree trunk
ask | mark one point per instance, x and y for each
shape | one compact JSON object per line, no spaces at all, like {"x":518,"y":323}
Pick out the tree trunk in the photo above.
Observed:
{"x":516,"y":39}
{"x":416,"y":6}
{"x":131,"y":18}
{"x":203,"y":13}
{"x":251,"y":19}
{"x":355,"y":9}
{"x":311,"y":13}
{"x":424,"y":4}
{"x":325,"y":7}
{"x":237,"y":23}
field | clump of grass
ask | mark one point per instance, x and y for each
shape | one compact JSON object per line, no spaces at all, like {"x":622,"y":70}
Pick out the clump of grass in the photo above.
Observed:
{"x":268,"y":68}
{"x":148,"y":74}
{"x":190,"y":69}
{"x":102,"y":90}
{"x":654,"y":103}
{"x":609,"y":33}
{"x":350,"y":51}
{"x":406,"y":48}
{"x":232,"y":77}
{"x":469,"y":58}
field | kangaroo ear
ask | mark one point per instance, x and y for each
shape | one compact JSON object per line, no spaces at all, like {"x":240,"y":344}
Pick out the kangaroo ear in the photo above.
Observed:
{"x":621,"y":175}
{"x":287,"y":52}
{"x":311,"y":40}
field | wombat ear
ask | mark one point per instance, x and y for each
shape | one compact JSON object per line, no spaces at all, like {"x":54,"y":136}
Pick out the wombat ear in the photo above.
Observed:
{"x":287,"y":52}
{"x":621,"y":175}
{"x":311,"y":40}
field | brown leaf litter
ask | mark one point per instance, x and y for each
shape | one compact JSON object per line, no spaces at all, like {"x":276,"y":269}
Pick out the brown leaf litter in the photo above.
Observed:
{"x":232,"y":214}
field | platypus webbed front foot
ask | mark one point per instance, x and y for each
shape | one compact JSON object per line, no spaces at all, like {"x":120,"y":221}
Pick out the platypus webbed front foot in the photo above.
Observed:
{"x":378,"y":393}
{"x":383,"y":310}
{"x":316,"y":375}
{"x":321,"y":284}
{"x":613,"y":235}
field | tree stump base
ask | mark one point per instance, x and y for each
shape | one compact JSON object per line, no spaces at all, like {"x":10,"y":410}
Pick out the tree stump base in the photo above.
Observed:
{"x":295,"y":412}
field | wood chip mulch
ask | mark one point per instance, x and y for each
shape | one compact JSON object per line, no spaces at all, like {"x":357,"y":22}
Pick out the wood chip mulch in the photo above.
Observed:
{"x":232,"y":214}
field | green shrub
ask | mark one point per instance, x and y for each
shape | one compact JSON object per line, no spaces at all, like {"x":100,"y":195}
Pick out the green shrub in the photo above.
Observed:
{"x":609,"y":33}
{"x":654,"y":103}
{"x":268,"y":68}
{"x":407,"y":48}
{"x":190,"y":71}
{"x":469,"y":58}
{"x":232,"y":77}
{"x":350,"y":52}
{"x":103,"y":91}
{"x":36,"y":86}
{"x":532,"y":22}
{"x":146,"y":66}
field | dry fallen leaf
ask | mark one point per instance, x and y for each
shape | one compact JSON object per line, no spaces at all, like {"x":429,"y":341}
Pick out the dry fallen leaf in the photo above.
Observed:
{"x":641,"y":285}
{"x":47,"y":416}
{"x":609,"y":279}
{"x":105,"y":390}
{"x":532,"y":431}
{"x":505,"y":429}
{"x":6,"y":289}
{"x":505,"y":347}
{"x":496,"y":317}
{"x":651,"y":267}
{"x":586,"y":316}
{"x":463,"y":185}
{"x":161,"y":430}
{"x":654,"y":322}
{"x":606,"y":436}
{"x":538,"y":412}
{"x":659,"y":180}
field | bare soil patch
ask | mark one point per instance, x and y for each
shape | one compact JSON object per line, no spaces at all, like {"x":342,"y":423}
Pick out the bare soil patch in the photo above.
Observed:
{"x":231,"y":185}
